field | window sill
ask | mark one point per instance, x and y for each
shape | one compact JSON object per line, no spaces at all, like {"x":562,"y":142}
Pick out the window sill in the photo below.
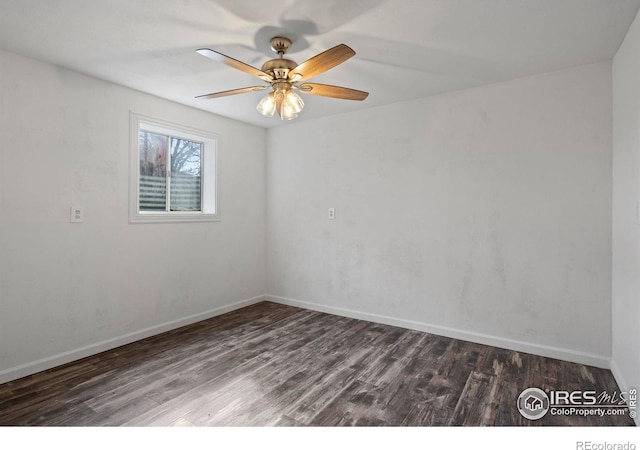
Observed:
{"x":174,"y":217}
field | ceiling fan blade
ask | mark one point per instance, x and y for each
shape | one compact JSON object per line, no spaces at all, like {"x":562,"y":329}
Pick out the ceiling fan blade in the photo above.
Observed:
{"x":327,"y":90}
{"x":321,"y":62}
{"x":231,"y":62}
{"x":233,"y":92}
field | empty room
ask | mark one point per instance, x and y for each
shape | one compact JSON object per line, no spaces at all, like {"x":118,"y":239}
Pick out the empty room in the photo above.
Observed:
{"x":319,"y":213}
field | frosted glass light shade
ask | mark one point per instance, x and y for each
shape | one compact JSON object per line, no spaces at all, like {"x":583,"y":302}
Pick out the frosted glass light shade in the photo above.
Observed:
{"x":295,"y":101}
{"x":267,"y":106}
{"x":292,"y":104}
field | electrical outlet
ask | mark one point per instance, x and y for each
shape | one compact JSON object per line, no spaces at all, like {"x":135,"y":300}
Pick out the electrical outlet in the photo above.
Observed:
{"x":77,"y":214}
{"x":332,"y":213}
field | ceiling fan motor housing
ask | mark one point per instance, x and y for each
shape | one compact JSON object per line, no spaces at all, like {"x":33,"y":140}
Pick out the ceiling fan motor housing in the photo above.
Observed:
{"x":279,"y":68}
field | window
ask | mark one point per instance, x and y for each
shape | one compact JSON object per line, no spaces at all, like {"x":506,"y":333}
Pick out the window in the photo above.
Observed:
{"x":173,"y":172}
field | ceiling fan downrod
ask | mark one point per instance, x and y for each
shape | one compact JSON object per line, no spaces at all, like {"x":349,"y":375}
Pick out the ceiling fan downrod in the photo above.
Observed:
{"x":279,"y":68}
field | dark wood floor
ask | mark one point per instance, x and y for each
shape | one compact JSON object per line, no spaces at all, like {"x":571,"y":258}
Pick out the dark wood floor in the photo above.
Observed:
{"x":270,"y":364}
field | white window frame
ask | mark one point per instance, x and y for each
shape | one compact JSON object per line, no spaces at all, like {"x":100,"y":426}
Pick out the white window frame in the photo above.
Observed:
{"x":209,"y":197}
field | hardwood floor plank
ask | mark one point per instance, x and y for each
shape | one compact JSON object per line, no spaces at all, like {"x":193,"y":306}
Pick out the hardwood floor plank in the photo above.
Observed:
{"x":234,"y":371}
{"x":285,"y":421}
{"x":275,"y":365}
{"x":476,"y":404}
{"x":120,"y":413}
{"x":286,"y":378}
{"x":353,"y":405}
{"x":363,"y":357}
{"x":269,"y":344}
{"x":181,"y":422}
{"x":200,"y":362}
{"x":281,"y":379}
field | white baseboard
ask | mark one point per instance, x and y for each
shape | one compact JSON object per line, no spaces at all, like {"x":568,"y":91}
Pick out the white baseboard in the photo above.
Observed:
{"x":601,"y":361}
{"x":622,"y":382}
{"x":92,"y":349}
{"x":30,"y":368}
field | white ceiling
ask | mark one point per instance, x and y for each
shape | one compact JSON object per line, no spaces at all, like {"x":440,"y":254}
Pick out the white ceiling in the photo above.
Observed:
{"x":405,"y":48}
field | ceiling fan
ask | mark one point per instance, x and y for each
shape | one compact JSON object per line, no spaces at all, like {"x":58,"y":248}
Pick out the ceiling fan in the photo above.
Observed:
{"x":285,"y":77}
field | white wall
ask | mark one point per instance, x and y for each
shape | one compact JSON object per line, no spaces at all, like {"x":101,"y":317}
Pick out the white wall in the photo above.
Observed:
{"x":626,"y":216}
{"x":68,"y":290}
{"x":482,"y":214}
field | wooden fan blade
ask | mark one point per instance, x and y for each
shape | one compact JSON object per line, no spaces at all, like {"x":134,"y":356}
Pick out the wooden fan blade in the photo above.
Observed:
{"x":326,"y":90}
{"x":321,"y":62}
{"x":231,"y":62}
{"x":233,"y":92}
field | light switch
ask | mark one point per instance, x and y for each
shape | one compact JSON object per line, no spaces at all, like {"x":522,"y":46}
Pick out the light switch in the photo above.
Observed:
{"x":77,"y":214}
{"x":332,"y":213}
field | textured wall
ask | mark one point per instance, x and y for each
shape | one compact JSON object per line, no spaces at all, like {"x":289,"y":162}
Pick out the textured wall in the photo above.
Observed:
{"x":626,"y":210}
{"x":65,"y":286}
{"x":485,"y":212}
{"x":482,"y":213}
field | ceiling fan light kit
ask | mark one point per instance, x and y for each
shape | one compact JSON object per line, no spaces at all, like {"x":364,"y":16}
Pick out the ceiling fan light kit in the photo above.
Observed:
{"x":284,"y":77}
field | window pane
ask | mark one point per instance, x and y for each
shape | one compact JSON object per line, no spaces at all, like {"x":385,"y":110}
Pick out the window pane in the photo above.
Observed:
{"x":153,"y":171}
{"x":186,"y":165}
